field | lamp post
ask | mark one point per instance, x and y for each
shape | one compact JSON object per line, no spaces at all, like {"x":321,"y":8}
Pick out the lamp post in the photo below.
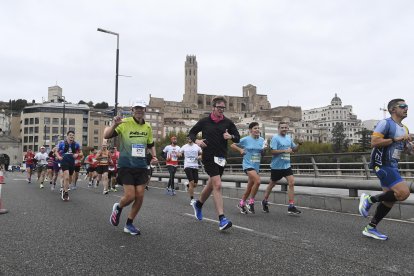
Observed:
{"x":117,"y":66}
{"x":62,"y":99}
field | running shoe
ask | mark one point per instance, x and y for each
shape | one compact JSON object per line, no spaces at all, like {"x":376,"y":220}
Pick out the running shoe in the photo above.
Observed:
{"x":197,"y":211}
{"x":293,"y":210}
{"x":52,"y":188}
{"x":114,"y":190}
{"x":265,"y":206}
{"x":146,"y":188}
{"x":167,"y":191}
{"x":61,"y":194}
{"x":173,"y":193}
{"x":105,"y":192}
{"x":191,"y":201}
{"x":250,"y":208}
{"x":41,"y":186}
{"x":90,"y":184}
{"x":372,"y":232}
{"x":74,"y":187}
{"x":364,"y":205}
{"x":242,"y":208}
{"x":224,"y":224}
{"x":65,"y":196}
{"x":131,"y":229}
{"x":116,"y":214}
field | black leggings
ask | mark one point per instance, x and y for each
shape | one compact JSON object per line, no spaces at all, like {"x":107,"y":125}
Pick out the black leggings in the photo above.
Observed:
{"x":172,"y":170}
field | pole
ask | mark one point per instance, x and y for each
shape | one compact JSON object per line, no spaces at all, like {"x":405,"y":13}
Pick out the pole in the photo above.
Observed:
{"x":116,"y":77}
{"x":63,"y":130}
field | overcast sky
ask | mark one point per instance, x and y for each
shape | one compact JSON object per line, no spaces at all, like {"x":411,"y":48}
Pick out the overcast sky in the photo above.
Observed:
{"x":297,"y":52}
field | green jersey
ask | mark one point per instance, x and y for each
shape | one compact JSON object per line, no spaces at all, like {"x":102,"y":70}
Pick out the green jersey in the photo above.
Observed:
{"x":133,"y":141}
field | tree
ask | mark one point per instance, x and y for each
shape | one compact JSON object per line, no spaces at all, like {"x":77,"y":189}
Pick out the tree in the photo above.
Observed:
{"x":101,"y":105}
{"x":82,"y":102}
{"x":18,"y":105}
{"x":365,"y":141}
{"x":338,"y":138}
{"x":90,"y":103}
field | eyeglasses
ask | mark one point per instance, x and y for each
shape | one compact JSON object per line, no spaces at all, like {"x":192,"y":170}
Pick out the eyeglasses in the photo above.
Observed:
{"x":403,"y":106}
{"x":220,"y":107}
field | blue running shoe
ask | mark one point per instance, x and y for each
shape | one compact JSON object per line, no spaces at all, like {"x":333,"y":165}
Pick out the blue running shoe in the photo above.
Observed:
{"x":364,"y":205}
{"x":224,"y":224}
{"x":373,"y":233}
{"x":197,"y":211}
{"x":116,"y":214}
{"x":131,"y":229}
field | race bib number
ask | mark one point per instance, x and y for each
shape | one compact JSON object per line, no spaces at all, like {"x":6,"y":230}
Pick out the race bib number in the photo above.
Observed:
{"x":138,"y":150}
{"x":174,"y":156}
{"x":256,"y":158}
{"x":285,"y":156}
{"x":396,"y":154}
{"x":191,"y":159}
{"x":221,"y":161}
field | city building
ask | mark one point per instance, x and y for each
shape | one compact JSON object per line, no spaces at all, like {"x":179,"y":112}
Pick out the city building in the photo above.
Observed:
{"x":317,"y":123}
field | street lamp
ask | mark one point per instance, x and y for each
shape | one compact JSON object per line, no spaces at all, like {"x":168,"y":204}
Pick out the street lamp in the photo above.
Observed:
{"x":62,"y":99}
{"x":117,"y":66}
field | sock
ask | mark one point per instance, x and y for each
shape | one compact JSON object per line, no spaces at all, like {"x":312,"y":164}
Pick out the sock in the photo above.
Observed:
{"x":221,"y":217}
{"x":129,"y":221}
{"x":266,"y":198}
{"x":118,"y":208}
{"x":388,"y":196}
{"x":191,"y":197}
{"x":291,"y":202}
{"x":199,"y":204}
{"x":251,"y":201}
{"x":242,"y":202}
{"x":380,"y":213}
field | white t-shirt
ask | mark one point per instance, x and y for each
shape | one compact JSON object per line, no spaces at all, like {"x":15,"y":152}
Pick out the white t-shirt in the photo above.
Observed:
{"x":172,"y":154}
{"x":191,"y":153}
{"x":41,"y":158}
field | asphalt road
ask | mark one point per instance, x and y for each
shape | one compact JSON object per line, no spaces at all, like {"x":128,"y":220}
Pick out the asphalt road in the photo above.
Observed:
{"x":42,"y":235}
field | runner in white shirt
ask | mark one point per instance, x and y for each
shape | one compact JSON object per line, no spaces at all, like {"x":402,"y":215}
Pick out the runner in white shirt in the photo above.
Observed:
{"x":171,"y":156}
{"x":192,"y":153}
{"x":42,"y":156}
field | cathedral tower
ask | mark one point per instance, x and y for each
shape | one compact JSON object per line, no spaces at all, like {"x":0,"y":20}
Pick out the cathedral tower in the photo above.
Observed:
{"x":190,"y":92}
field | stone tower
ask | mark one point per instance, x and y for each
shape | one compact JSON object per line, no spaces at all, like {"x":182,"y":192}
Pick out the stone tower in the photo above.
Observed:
{"x":190,"y":91}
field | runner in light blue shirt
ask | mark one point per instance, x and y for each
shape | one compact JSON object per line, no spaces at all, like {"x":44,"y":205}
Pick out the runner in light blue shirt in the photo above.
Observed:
{"x":251,"y":147}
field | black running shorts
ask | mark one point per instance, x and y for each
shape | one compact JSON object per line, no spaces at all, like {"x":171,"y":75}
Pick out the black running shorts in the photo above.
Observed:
{"x":192,"y":174}
{"x":213,"y":169}
{"x":276,"y":175}
{"x":132,"y":176}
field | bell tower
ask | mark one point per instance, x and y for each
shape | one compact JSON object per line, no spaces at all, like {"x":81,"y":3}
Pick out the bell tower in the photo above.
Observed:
{"x":191,"y":71}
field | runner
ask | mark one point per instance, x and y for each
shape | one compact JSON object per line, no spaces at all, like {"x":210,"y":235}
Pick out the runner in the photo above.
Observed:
{"x":68,"y":151}
{"x":389,"y":140}
{"x":192,"y":153}
{"x":104,"y":158}
{"x":216,"y":130}
{"x":171,"y":157}
{"x":282,"y":146}
{"x":41,"y":158}
{"x":29,"y":158}
{"x":112,"y":170}
{"x":57,"y":170}
{"x":135,"y":135}
{"x":78,"y":165}
{"x":91,"y":163}
{"x":251,"y":147}
{"x":50,"y":161}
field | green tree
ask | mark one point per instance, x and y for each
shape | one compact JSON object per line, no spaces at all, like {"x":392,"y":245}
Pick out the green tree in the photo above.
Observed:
{"x":101,"y":105}
{"x":82,"y":102}
{"x":18,"y":105}
{"x":365,"y":140}
{"x":90,"y":103}
{"x":339,"y":138}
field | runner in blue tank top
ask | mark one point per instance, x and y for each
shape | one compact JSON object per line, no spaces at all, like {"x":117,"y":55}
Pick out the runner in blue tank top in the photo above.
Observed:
{"x":251,"y":147}
{"x":389,"y":140}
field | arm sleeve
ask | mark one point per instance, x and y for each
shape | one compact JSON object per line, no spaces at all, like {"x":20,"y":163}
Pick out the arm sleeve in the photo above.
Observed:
{"x":233,"y":131}
{"x":195,"y":130}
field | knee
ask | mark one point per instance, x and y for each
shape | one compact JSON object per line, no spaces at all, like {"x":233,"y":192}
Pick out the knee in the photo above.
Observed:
{"x":291,"y":183}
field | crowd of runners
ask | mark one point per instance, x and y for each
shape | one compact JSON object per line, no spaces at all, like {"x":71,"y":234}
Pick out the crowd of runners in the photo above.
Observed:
{"x":131,"y":166}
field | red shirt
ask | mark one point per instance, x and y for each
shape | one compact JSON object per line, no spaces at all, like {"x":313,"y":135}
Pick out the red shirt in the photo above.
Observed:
{"x":29,"y":156}
{"x":92,"y":161}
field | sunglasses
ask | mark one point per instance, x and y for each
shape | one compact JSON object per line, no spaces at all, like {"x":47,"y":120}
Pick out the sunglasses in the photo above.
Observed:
{"x":220,"y":107}
{"x":403,"y":106}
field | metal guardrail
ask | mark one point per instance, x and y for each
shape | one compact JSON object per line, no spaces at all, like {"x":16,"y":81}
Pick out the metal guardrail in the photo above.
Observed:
{"x":353,"y":175}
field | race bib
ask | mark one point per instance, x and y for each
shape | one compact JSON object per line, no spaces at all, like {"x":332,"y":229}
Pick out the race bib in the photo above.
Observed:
{"x":285,"y":156}
{"x":138,"y":150}
{"x":256,"y":158}
{"x":396,"y":154}
{"x":174,"y":156}
{"x":191,"y":159}
{"x":221,"y":161}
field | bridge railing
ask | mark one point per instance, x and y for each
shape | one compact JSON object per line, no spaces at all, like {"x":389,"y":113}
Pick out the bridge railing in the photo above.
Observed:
{"x":343,"y":171}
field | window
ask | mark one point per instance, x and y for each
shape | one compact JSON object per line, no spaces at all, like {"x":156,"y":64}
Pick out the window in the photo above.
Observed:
{"x":30,"y":130}
{"x":72,"y":122}
{"x":36,"y":121}
{"x":25,"y":139}
{"x":30,"y":139}
{"x":66,"y":121}
{"x":36,"y":148}
{"x":55,"y":130}
{"x":26,"y":130}
{"x":55,"y":121}
{"x":24,"y":148}
{"x":96,"y":122}
{"x":95,"y":131}
{"x":46,"y":120}
{"x":36,"y":129}
{"x":36,"y":139}
{"x":72,"y":129}
{"x":95,"y":140}
{"x":47,"y":130}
